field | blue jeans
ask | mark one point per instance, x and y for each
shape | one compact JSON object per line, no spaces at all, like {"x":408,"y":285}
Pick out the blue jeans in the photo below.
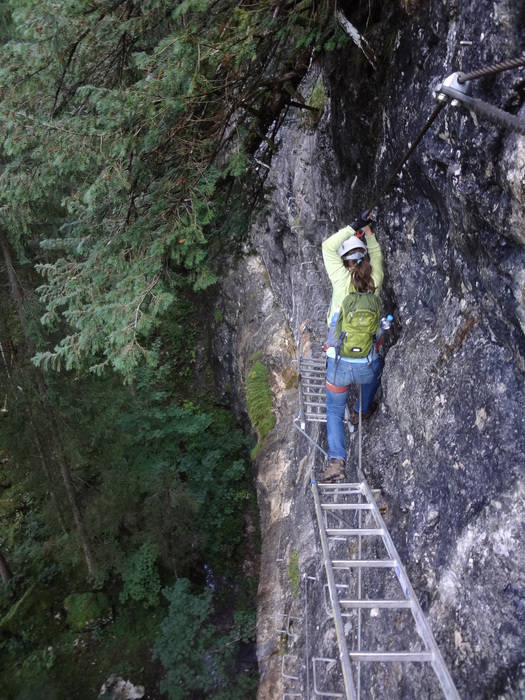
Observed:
{"x":368,"y":374}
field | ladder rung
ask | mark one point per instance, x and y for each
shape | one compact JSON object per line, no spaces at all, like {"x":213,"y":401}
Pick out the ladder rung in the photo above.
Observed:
{"x":375,"y":604}
{"x":391,"y":656}
{"x":346,"y":506}
{"x":364,"y":564}
{"x":334,"y":532}
{"x":355,"y":488}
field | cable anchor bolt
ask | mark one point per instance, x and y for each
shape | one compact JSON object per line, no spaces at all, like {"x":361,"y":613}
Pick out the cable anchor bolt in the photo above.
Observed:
{"x":450,"y":87}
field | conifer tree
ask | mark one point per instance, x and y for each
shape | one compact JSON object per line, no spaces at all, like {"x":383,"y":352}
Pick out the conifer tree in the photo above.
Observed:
{"x":138,"y":139}
{"x":53,"y":434}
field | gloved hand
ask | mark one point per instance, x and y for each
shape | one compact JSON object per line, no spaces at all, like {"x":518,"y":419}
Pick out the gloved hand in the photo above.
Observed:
{"x":361,"y":221}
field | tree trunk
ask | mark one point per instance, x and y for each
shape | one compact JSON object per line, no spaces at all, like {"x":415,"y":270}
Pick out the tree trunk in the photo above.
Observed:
{"x":50,"y":481}
{"x":77,"y":515}
{"x":5,"y":571}
{"x":17,"y":296}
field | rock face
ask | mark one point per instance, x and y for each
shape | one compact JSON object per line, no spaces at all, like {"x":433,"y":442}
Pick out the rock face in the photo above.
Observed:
{"x":447,"y":447}
{"x":116,"y":688}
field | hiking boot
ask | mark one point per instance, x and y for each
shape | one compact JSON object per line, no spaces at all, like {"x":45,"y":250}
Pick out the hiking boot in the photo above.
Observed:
{"x":334,"y":472}
{"x":354,"y":416}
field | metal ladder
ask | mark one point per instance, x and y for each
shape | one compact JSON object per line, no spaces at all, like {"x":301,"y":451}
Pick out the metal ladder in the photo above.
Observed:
{"x":312,"y":373}
{"x":312,"y":396}
{"x":365,"y":574}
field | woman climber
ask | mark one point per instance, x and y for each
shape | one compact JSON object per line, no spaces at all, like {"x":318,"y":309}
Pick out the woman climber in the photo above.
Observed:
{"x":354,"y":264}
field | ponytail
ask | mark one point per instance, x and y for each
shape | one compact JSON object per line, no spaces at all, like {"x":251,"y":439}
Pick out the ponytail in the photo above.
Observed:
{"x":361,"y":274}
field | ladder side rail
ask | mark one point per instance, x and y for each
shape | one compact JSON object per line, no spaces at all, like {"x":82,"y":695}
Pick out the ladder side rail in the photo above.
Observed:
{"x":359,"y":578}
{"x":339,"y":627}
{"x":423,"y":627}
{"x":301,"y":402}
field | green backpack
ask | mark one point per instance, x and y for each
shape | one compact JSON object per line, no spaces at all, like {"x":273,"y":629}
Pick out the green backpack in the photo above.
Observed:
{"x":357,"y":323}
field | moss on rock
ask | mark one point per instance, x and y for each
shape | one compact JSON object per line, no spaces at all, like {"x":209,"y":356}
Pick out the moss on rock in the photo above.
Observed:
{"x":29,"y":616}
{"x":87,"y":610}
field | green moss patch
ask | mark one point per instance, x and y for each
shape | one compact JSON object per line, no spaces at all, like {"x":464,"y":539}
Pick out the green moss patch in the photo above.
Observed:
{"x":259,"y":400}
{"x":29,"y":616}
{"x":87,"y":610}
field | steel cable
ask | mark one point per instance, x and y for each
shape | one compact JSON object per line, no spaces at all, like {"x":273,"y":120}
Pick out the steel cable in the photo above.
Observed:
{"x":490,"y":70}
{"x":407,"y":155}
{"x":493,"y":113}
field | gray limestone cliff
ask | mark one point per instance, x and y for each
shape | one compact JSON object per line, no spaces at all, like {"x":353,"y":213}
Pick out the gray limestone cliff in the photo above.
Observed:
{"x":447,"y":446}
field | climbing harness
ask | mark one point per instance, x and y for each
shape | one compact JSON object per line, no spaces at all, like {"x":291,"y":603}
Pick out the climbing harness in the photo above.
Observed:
{"x":457,"y":87}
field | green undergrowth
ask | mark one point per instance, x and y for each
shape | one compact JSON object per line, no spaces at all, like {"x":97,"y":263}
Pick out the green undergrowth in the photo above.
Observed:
{"x":75,"y":664}
{"x":317,"y":100}
{"x":178,"y":504}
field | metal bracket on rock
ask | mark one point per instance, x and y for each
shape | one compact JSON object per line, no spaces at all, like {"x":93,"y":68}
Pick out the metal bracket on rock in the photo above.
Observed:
{"x":453,"y":87}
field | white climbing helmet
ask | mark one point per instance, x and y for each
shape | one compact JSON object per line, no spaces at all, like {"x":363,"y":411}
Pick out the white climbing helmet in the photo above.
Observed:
{"x":353,"y":248}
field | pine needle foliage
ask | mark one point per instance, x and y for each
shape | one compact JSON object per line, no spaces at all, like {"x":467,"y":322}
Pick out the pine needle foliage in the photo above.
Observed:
{"x":134,"y":134}
{"x":207,"y":665}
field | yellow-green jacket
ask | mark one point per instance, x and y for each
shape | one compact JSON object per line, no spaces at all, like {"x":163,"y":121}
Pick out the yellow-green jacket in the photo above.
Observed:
{"x":339,"y":274}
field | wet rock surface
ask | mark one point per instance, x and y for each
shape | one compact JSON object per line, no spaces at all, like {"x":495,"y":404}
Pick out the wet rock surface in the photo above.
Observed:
{"x":447,"y":446}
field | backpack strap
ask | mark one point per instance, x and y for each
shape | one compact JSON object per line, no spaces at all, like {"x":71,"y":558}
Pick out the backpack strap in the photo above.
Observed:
{"x":338,"y":347}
